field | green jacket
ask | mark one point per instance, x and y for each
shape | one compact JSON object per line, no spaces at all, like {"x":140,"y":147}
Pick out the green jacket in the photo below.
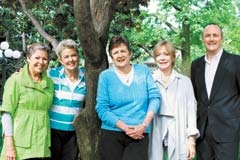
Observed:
{"x":28,"y":103}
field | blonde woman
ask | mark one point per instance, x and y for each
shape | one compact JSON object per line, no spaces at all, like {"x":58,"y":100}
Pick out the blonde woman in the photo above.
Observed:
{"x":174,"y":127}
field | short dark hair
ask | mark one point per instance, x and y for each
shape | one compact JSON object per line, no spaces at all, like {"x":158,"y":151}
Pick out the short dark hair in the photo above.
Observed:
{"x":116,"y":40}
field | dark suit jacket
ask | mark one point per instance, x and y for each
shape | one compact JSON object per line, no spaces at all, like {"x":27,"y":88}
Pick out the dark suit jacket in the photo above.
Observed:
{"x":222,"y":109}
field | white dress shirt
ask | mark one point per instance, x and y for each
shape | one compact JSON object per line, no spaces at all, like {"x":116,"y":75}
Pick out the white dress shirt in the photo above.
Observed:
{"x":210,"y":70}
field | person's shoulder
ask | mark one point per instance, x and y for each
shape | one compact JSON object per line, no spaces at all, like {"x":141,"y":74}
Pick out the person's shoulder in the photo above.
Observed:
{"x":82,"y":69}
{"x":141,"y":67}
{"x":199,"y":59}
{"x":180,"y":75}
{"x":54,"y":72}
{"x":107,"y":72}
{"x":55,"y":69}
{"x":184,"y":80}
{"x":15,"y":76}
{"x":48,"y":79}
{"x":232,"y":57}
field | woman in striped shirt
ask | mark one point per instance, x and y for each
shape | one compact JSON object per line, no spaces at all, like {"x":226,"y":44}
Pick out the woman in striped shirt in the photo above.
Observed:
{"x":69,"y":96}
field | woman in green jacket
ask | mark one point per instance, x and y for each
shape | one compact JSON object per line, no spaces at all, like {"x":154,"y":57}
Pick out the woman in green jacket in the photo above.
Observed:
{"x":26,"y":101}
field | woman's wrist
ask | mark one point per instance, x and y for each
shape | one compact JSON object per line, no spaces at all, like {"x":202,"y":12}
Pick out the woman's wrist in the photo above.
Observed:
{"x":148,"y":119}
{"x":191,"y":140}
{"x":144,"y":125}
{"x":9,"y":141}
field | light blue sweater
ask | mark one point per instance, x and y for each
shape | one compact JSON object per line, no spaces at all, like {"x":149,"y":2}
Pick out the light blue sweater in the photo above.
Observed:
{"x":117,"y":101}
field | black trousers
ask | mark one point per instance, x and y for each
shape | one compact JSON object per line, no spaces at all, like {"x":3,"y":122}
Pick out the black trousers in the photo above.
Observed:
{"x":39,"y":158}
{"x":64,"y":145}
{"x":116,"y":145}
{"x":209,"y":149}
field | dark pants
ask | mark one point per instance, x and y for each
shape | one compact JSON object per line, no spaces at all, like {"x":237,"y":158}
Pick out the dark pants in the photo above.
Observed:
{"x":116,"y":145}
{"x":209,"y":149}
{"x":64,"y":145}
{"x":39,"y":158}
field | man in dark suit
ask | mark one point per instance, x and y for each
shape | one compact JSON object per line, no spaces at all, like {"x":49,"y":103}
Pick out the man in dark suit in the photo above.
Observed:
{"x":216,"y":82}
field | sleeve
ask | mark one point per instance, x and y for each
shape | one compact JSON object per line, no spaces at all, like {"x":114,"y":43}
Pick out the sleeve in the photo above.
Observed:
{"x":10,"y":96}
{"x":154,"y":95}
{"x":193,"y":76}
{"x":103,"y":106}
{"x":48,"y":72}
{"x":191,"y":111}
{"x":238,"y":72}
{"x":7,"y":124}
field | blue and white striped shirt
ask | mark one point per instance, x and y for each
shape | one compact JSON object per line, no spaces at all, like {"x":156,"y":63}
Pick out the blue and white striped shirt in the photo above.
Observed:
{"x":67,"y":102}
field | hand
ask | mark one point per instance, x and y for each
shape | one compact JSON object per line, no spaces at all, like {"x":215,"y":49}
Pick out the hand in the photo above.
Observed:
{"x":191,"y":149}
{"x":10,"y":149}
{"x":10,"y":153}
{"x":136,"y":132}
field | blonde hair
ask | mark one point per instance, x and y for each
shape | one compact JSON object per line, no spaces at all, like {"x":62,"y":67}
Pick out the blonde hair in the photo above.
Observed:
{"x":169,"y":47}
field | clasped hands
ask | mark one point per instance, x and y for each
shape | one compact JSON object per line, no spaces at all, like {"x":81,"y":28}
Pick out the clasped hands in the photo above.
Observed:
{"x":135,"y":132}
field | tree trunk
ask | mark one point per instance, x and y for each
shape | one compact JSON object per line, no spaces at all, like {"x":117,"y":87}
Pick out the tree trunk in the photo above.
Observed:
{"x":185,"y":45}
{"x":93,"y":19}
{"x":93,"y":41}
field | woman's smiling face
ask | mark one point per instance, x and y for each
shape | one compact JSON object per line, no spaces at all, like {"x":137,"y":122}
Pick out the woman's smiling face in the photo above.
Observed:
{"x":121,"y":56}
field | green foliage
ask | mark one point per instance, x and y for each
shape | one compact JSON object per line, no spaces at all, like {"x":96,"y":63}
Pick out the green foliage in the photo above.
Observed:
{"x":142,"y":28}
{"x":231,"y":36}
{"x":56,"y":17}
{"x":142,"y":33}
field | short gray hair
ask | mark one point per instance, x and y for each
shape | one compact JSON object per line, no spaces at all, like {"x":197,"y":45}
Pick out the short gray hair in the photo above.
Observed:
{"x":31,"y":49}
{"x":67,"y":43}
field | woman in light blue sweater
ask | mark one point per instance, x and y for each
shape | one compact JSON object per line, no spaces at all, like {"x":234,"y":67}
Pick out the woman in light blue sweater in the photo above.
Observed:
{"x":127,"y":99}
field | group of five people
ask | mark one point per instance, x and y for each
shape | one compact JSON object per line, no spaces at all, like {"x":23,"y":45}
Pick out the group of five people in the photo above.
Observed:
{"x":145,"y":115}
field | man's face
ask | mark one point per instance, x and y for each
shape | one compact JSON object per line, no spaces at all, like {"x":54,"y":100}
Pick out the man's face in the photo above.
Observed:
{"x":212,"y":39}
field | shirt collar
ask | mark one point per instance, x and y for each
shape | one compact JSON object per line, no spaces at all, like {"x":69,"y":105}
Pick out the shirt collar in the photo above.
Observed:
{"x":157,"y":75}
{"x":80,"y":73}
{"x":215,"y":57}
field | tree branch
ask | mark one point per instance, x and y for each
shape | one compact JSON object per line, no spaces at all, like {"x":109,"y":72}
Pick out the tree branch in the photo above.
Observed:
{"x":38,"y":26}
{"x":174,"y":6}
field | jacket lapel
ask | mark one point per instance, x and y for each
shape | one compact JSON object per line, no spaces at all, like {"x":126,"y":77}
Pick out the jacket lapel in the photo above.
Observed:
{"x":219,"y":76}
{"x":201,"y":80}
